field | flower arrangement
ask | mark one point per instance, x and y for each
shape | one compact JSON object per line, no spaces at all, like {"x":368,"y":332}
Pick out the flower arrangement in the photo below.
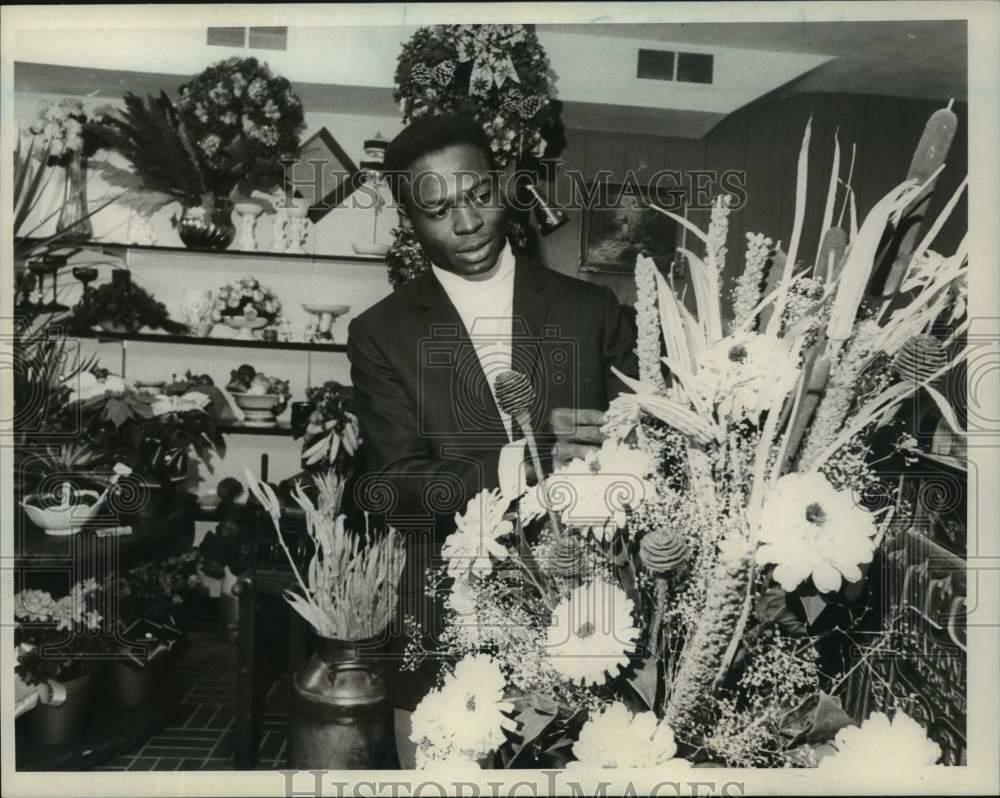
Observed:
{"x":59,"y":639}
{"x":121,"y":307}
{"x":233,"y":124}
{"x":352,"y":582}
{"x":238,"y":111}
{"x":330,"y":434}
{"x":64,"y":130}
{"x":667,"y":612}
{"x":498,"y":74}
{"x":246,"y":298}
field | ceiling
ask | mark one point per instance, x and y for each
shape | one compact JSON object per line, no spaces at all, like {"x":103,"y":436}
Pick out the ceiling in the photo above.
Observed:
{"x":921,"y":59}
{"x":925,"y":59}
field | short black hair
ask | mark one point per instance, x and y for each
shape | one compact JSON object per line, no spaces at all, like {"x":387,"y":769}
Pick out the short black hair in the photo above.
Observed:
{"x":430,"y":134}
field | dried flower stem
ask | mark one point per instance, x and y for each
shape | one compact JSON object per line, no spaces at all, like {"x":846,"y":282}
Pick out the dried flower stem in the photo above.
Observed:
{"x":747,"y":293}
{"x":648,"y":324}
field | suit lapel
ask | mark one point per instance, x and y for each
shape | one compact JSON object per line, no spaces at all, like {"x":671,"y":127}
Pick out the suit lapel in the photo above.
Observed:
{"x":531,"y":306}
{"x":461,"y":385}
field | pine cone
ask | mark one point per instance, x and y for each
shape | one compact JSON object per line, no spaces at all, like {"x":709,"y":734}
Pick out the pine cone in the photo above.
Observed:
{"x":567,"y":556}
{"x":663,"y":550}
{"x":919,"y":358}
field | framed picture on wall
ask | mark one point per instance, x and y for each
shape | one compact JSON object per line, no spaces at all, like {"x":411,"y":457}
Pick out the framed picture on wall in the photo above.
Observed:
{"x":324,"y":174}
{"x":620,"y":224}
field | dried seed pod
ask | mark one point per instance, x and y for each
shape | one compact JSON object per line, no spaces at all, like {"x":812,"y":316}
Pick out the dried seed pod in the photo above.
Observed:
{"x":919,"y":358}
{"x":663,"y":550}
{"x":567,"y":556}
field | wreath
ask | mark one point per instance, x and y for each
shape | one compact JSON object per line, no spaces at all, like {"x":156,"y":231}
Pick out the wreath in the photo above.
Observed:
{"x":498,"y":74}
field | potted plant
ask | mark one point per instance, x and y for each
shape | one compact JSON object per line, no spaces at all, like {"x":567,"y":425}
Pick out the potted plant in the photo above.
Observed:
{"x":150,"y":602}
{"x":67,"y":137}
{"x":60,"y":640}
{"x":122,"y":307}
{"x":328,"y":429}
{"x":340,"y":717}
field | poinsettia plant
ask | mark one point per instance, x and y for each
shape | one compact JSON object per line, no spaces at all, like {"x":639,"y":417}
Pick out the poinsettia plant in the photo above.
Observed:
{"x":146,"y":431}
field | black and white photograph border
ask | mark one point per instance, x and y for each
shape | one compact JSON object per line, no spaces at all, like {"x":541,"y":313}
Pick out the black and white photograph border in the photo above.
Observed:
{"x":211,"y":372}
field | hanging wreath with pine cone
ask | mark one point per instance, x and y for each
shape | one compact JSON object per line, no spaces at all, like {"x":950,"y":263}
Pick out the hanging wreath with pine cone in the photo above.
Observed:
{"x":499,"y":74}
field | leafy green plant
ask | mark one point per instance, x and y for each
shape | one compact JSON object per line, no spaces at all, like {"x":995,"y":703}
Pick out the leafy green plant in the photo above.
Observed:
{"x":121,"y":305}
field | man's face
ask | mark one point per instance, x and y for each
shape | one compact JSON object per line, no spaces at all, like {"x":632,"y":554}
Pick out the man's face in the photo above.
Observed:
{"x":454,"y":209}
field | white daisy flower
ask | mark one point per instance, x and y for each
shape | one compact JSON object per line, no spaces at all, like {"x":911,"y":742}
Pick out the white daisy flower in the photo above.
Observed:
{"x":616,"y":738}
{"x":594,"y":492}
{"x":741,"y":374}
{"x":899,"y":745}
{"x":809,"y":528}
{"x":477,"y":535}
{"x":465,"y":716}
{"x":591,"y":633}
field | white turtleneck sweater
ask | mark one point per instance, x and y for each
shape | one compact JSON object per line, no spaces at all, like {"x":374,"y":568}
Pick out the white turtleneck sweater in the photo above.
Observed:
{"x":486,"y":307}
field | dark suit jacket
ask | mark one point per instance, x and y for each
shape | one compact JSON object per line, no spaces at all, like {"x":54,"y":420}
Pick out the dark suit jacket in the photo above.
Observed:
{"x":430,"y":428}
{"x":431,"y":431}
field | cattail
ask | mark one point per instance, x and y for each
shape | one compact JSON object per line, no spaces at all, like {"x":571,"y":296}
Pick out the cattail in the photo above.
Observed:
{"x":705,"y":651}
{"x":831,"y":254}
{"x":663,"y":550}
{"x":928,"y":158}
{"x":774,"y":272}
{"x":920,"y":358}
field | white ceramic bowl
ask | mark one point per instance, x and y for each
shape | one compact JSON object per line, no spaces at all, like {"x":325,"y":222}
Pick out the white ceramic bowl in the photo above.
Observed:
{"x":256,"y":401}
{"x":333,"y":310}
{"x":62,"y":521}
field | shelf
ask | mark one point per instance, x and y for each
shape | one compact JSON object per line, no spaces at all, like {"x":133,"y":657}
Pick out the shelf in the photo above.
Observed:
{"x":120,"y":250}
{"x":240,"y":428}
{"x":193,"y":340}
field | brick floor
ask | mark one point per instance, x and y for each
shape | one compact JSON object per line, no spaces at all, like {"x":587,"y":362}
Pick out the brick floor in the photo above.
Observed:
{"x":200,"y":733}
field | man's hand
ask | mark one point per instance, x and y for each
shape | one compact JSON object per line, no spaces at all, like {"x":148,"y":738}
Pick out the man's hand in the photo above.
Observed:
{"x":577,"y":432}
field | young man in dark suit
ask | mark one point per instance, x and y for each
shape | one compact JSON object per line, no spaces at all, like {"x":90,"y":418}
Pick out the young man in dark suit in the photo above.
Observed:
{"x":423,"y":360}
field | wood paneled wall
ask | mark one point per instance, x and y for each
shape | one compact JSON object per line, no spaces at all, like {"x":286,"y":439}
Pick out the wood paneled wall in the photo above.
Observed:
{"x":763,"y":141}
